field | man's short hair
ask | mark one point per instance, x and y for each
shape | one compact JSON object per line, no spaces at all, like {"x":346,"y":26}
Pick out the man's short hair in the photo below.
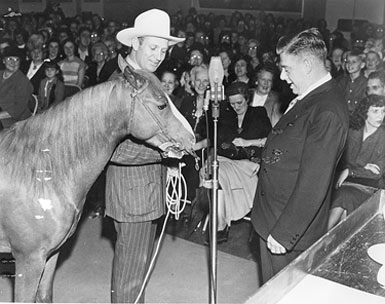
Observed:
{"x":356,"y":53}
{"x":378,"y":75}
{"x":308,"y":42}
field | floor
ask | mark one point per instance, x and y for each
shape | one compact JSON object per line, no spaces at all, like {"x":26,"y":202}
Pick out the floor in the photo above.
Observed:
{"x":181,"y":274}
{"x":241,"y":240}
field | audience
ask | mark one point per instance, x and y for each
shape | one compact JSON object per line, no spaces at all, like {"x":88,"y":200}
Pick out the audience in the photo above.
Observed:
{"x":51,"y":90}
{"x":353,"y":84}
{"x":192,"y":108}
{"x":55,"y":52}
{"x":170,"y":83}
{"x":34,"y":68}
{"x":376,"y":83}
{"x":15,"y":89}
{"x":229,"y":75}
{"x":363,"y":162}
{"x":372,"y":62}
{"x":72,"y":66}
{"x":252,"y":50}
{"x":99,"y":69}
{"x":243,"y":70}
{"x":264,"y":96}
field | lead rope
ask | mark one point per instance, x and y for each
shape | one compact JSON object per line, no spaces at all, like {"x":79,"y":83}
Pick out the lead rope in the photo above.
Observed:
{"x":176,"y":199}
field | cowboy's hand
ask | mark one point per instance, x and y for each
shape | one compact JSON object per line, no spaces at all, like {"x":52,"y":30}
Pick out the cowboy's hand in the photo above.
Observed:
{"x":344,"y":175}
{"x":261,"y":142}
{"x":240,"y":142}
{"x":373,"y":168}
{"x":274,"y":246}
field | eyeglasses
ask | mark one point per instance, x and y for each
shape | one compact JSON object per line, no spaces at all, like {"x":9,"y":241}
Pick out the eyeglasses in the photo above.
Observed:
{"x":12,"y":59}
{"x":196,"y":57}
{"x":253,"y":48}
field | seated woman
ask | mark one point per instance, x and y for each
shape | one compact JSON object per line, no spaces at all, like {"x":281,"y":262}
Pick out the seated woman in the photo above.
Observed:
{"x":15,"y":90}
{"x":363,"y":162}
{"x":72,"y":66}
{"x":241,"y":136}
{"x":263,"y":94}
{"x":99,"y":69}
{"x":192,"y":109}
{"x":170,"y":83}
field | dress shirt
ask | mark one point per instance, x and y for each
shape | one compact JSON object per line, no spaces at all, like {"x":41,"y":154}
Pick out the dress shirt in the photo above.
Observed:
{"x":315,"y":85}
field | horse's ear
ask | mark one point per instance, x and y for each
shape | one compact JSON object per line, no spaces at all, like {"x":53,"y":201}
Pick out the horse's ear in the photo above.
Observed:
{"x":135,"y":79}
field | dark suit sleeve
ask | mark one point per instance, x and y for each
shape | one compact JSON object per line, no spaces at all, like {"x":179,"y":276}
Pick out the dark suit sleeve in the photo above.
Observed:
{"x":324,"y":139}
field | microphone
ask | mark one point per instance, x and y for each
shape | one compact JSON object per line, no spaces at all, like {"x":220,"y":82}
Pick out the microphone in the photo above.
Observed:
{"x":216,"y":71}
{"x":216,"y":75}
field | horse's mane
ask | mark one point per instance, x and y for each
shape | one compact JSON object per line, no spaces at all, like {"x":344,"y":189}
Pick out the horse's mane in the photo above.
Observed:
{"x":59,"y":139}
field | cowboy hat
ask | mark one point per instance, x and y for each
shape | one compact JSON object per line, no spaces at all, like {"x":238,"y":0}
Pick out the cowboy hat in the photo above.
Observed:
{"x":154,"y":23}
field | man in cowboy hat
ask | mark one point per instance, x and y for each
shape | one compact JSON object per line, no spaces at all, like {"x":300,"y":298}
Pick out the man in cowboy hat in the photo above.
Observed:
{"x":135,"y":195}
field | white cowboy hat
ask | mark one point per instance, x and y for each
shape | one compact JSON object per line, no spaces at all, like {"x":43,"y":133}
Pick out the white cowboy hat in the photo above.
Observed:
{"x":154,"y":23}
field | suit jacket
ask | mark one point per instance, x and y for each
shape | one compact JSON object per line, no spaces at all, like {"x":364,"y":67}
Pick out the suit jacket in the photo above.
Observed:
{"x":37,"y":78}
{"x":298,"y":165}
{"x":135,"y":185}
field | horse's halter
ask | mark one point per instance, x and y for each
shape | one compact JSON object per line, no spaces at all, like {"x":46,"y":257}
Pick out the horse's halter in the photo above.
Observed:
{"x":139,"y":83}
{"x":162,"y":131}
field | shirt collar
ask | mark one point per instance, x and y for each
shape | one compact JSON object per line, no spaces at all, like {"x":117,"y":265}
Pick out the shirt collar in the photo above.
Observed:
{"x":132,"y":63}
{"x":315,"y":85}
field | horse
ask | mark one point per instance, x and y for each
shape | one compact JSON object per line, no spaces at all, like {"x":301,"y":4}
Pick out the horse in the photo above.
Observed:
{"x":49,"y":162}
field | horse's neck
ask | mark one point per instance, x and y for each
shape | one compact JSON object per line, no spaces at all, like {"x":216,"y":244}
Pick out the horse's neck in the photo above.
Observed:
{"x":93,"y":124}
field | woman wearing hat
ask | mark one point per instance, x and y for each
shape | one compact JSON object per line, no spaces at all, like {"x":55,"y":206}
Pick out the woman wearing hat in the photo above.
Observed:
{"x":15,"y":89}
{"x":135,"y":194}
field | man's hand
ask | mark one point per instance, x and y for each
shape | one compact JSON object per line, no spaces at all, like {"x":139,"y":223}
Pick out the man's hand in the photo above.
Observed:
{"x":240,"y":142}
{"x":375,"y":169}
{"x":274,"y":246}
{"x":343,"y":176}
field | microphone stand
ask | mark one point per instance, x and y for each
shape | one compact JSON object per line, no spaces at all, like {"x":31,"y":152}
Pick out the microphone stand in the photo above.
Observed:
{"x":215,"y":96}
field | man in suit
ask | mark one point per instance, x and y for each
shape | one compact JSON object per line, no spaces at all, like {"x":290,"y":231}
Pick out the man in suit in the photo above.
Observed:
{"x":292,"y":200}
{"x":135,"y":194}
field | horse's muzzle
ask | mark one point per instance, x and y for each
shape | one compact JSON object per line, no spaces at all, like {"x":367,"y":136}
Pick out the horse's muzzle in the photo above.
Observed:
{"x":176,"y":150}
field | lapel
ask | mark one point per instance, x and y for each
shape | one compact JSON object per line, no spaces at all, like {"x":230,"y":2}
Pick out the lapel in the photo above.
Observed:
{"x":301,"y":107}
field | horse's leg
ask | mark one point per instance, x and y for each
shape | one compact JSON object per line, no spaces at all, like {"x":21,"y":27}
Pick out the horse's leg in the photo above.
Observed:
{"x":44,"y":292}
{"x":29,"y":269}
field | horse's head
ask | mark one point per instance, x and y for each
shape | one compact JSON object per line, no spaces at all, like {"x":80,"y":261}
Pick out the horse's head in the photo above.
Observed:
{"x":164,"y":126}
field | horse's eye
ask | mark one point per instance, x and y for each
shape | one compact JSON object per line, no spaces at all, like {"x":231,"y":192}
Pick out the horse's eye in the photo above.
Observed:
{"x":162,"y":107}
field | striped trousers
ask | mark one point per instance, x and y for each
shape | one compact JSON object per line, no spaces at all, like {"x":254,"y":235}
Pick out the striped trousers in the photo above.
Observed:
{"x":133,"y":251}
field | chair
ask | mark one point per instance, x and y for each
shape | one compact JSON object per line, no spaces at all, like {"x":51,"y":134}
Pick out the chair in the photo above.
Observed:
{"x":33,"y":104}
{"x":71,"y":89}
